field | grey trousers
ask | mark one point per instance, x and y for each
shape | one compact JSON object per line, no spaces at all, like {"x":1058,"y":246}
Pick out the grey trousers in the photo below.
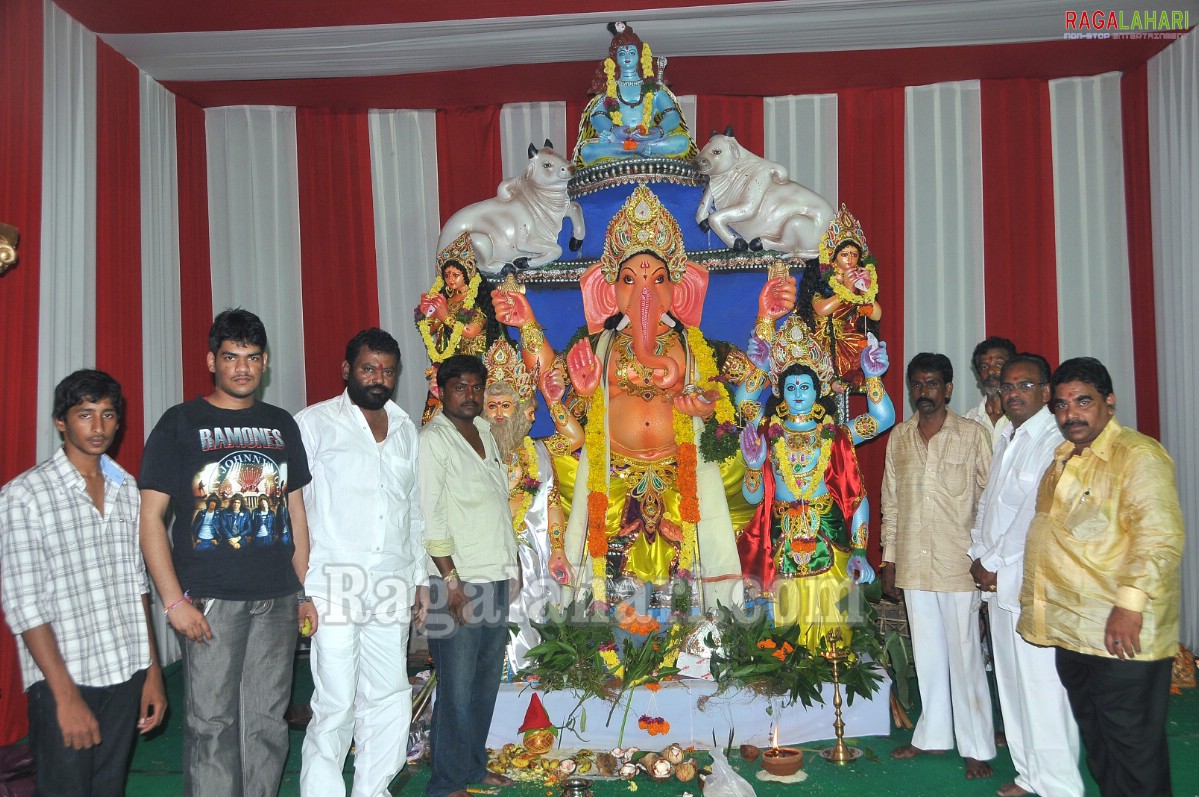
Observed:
{"x":236,"y":689}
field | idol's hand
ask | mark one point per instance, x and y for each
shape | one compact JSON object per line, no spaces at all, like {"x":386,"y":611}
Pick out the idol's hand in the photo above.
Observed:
{"x":860,"y":570}
{"x":559,"y":568}
{"x":583,"y":367}
{"x":777,"y":298}
{"x":753,"y":448}
{"x":553,"y":384}
{"x":874,"y":357}
{"x":697,"y":404}
{"x":512,"y":308}
{"x":758,"y":352}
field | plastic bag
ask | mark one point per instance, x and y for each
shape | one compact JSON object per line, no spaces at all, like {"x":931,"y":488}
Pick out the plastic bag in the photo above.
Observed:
{"x":724,"y":781}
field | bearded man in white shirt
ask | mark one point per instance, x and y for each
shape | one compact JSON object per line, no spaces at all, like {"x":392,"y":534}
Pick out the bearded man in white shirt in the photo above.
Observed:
{"x":366,"y":573}
{"x":1041,"y":734}
{"x":988,"y":359}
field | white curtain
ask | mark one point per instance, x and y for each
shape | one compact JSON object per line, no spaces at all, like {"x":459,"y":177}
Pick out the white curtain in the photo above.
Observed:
{"x":801,"y":134}
{"x":162,"y":367}
{"x":254,"y":231}
{"x":404,"y":176}
{"x":1174,"y":180}
{"x":944,"y":287}
{"x":67,"y":301}
{"x":525,"y":123}
{"x":1094,"y":314}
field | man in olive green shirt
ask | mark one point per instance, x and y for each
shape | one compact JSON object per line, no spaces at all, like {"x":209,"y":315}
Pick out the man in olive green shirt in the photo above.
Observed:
{"x":1102,"y":581}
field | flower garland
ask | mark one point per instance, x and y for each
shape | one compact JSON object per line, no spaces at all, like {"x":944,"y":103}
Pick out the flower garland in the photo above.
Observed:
{"x":456,"y":326}
{"x":612,"y":103}
{"x":528,"y":485}
{"x":597,"y":495}
{"x":790,"y":478}
{"x":847,"y":295}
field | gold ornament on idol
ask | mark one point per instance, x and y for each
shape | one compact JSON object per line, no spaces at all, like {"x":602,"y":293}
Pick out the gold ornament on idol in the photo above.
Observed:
{"x":791,"y":457}
{"x":643,"y":225}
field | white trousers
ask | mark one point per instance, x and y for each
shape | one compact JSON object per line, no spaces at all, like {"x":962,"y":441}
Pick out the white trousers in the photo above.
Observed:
{"x":955,"y":704}
{"x":1041,"y":734}
{"x":360,"y":671}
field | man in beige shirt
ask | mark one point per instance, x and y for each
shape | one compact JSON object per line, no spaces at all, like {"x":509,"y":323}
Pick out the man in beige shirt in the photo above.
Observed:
{"x":468,"y":535}
{"x":936,"y":468}
{"x":1102,"y":581}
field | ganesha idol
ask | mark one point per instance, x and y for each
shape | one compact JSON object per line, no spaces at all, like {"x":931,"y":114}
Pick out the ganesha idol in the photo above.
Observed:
{"x":648,"y":507}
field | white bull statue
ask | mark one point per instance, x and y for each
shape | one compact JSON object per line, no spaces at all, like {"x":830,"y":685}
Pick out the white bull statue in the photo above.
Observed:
{"x":520,"y":224}
{"x":749,"y":198}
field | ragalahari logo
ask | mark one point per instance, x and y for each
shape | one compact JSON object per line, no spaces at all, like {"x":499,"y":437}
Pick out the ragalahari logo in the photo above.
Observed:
{"x":1141,"y":24}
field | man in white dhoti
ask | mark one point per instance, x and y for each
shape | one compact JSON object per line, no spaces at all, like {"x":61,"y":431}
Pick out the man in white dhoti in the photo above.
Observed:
{"x":1041,"y":734}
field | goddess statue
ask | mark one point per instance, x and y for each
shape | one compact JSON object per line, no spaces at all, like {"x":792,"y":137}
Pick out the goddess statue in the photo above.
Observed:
{"x":456,"y":315}
{"x":842,"y":293}
{"x":647,"y":505}
{"x":808,"y":537}
{"x":632,"y":112}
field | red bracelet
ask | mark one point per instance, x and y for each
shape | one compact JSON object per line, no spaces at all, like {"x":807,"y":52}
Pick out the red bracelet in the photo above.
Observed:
{"x":186,"y":597}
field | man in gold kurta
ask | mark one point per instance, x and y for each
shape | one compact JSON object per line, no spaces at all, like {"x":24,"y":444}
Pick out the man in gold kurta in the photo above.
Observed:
{"x":1101,"y":581}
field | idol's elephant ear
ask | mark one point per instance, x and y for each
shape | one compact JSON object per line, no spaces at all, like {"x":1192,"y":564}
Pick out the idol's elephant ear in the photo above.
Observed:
{"x":689,"y":293}
{"x":599,"y":298}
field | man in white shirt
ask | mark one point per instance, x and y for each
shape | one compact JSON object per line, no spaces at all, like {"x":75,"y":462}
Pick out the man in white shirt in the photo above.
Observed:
{"x":468,"y":535}
{"x":1041,"y":734}
{"x":366,"y":573}
{"x":988,"y":360}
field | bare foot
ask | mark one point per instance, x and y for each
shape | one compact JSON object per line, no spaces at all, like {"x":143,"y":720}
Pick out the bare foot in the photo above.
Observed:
{"x":1000,"y":739}
{"x":976,"y":769}
{"x":910,"y":751}
{"x":1011,"y":790}
{"x":496,"y":779}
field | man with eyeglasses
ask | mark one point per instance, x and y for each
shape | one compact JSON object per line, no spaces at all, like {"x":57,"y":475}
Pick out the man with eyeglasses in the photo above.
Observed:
{"x":989,"y":357}
{"x":1102,"y":581}
{"x":1041,"y":735}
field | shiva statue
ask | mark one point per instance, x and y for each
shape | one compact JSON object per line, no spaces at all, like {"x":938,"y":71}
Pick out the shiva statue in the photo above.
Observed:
{"x":456,"y":315}
{"x":842,"y":294}
{"x":632,"y":114}
{"x":647,"y":506}
{"x":537,"y":517}
{"x":807,"y":539}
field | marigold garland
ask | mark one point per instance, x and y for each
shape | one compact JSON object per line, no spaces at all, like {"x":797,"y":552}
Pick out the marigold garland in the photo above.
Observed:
{"x":847,"y":295}
{"x":456,"y":327}
{"x":816,"y":475}
{"x":529,"y":456}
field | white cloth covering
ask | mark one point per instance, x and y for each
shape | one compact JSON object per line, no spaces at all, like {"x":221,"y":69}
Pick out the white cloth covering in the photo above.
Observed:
{"x":955,"y":703}
{"x":538,"y":591}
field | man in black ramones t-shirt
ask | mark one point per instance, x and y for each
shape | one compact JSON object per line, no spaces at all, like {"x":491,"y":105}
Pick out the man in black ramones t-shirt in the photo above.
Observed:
{"x":230,"y":581}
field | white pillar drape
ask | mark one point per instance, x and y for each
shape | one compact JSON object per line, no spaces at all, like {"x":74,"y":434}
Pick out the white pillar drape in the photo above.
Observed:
{"x":1094,"y":314}
{"x":1174,"y":182}
{"x":162,"y":366}
{"x":404,"y":177}
{"x":525,"y":123}
{"x":944,"y":290}
{"x":801,"y":133}
{"x":254,"y":231}
{"x":67,"y":300}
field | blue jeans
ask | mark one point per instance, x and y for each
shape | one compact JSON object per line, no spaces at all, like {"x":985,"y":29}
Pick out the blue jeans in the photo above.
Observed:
{"x":97,"y":771}
{"x":468,"y":660}
{"x":236,"y":688}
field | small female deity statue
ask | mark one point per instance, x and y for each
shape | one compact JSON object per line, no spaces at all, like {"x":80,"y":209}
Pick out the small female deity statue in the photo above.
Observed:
{"x":842,"y":293}
{"x":456,"y":315}
{"x":807,"y":540}
{"x":632,"y":114}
